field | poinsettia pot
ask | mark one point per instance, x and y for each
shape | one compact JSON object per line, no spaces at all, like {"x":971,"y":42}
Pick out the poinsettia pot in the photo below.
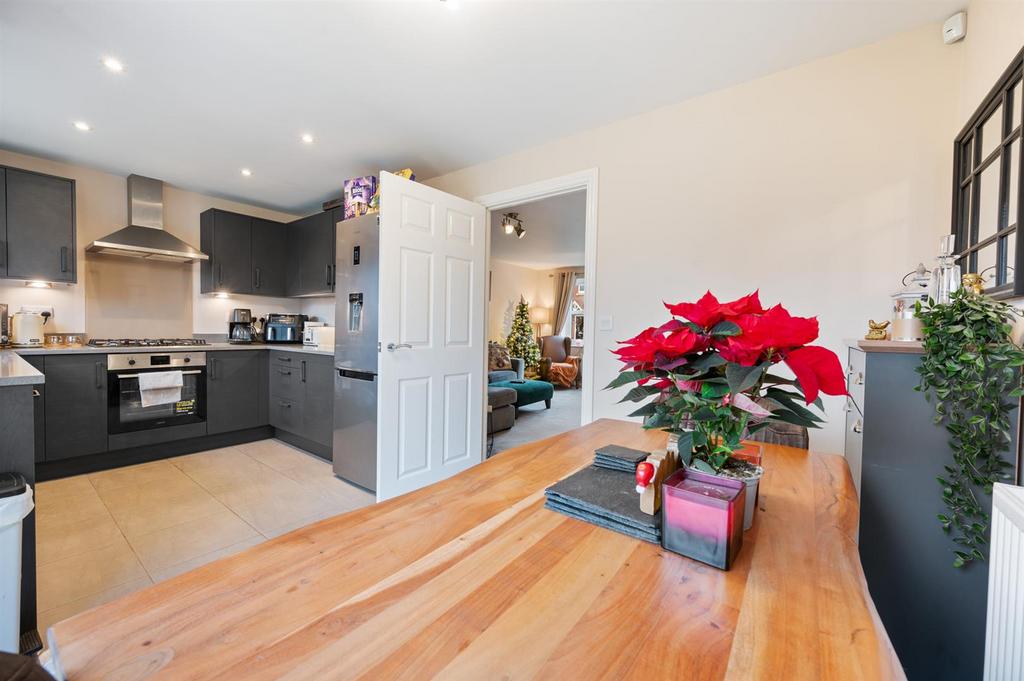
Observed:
{"x":747,"y":472}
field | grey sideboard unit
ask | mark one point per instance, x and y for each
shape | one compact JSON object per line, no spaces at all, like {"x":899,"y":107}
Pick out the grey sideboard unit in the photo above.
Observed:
{"x":934,"y":613}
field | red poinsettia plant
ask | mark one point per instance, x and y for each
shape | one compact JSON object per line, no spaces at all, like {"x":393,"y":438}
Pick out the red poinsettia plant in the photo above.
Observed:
{"x":706,"y":374}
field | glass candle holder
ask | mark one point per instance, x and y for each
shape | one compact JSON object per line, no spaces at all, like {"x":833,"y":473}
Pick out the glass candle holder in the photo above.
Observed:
{"x":702,"y":517}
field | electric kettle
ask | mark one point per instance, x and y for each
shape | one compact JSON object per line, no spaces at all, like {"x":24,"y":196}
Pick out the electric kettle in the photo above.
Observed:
{"x":27,"y":329}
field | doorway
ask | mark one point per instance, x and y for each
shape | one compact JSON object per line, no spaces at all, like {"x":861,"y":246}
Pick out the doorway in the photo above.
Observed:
{"x":549,"y":229}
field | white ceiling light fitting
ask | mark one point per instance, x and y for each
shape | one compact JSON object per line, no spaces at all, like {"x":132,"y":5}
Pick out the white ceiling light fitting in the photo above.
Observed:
{"x":82,"y":126}
{"x":246,"y":172}
{"x":511,"y":223}
{"x":306,"y":138}
{"x":113,"y":64}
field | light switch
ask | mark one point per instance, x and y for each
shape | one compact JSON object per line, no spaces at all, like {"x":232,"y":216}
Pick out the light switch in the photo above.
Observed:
{"x":604,"y":323}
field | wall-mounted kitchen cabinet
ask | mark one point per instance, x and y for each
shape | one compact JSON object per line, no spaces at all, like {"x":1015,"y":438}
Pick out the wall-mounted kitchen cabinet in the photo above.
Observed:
{"x":311,"y":254}
{"x":37,"y":226}
{"x":246,"y":254}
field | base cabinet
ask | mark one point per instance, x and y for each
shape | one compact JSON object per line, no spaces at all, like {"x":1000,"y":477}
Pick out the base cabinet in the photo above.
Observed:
{"x":934,"y":613}
{"x":235,"y":390}
{"x":302,"y":399}
{"x":76,"y":405}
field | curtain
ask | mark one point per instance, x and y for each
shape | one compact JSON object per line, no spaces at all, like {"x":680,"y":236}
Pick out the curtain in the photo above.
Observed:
{"x":566,"y":284}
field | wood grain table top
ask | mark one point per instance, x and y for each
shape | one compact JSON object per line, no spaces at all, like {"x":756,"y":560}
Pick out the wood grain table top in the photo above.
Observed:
{"x":473,"y":579}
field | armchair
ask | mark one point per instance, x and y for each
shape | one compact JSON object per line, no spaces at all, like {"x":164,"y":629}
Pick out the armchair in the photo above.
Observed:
{"x":557,"y":365}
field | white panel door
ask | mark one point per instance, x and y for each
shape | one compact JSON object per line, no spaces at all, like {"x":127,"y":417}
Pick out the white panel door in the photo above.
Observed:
{"x":432,"y":357}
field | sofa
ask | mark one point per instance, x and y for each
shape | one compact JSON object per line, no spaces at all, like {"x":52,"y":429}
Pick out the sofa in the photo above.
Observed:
{"x":502,"y":400}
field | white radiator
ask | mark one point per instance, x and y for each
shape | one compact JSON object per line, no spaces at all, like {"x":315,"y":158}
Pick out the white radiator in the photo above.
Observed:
{"x":1004,"y":633}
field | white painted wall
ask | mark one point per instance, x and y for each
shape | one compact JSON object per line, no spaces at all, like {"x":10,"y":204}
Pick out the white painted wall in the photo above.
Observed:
{"x":508,"y":283}
{"x":821,"y":185}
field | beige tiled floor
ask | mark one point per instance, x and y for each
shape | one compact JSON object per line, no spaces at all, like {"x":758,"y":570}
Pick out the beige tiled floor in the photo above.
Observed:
{"x":104,"y":535}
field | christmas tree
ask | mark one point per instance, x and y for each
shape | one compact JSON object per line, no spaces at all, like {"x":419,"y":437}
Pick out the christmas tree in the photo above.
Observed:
{"x":520,"y":341}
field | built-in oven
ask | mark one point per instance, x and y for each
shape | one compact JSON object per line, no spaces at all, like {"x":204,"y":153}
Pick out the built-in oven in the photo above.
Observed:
{"x":126,"y":412}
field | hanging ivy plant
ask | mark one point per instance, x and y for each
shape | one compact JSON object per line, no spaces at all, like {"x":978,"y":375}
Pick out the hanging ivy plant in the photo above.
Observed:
{"x":972,"y":370}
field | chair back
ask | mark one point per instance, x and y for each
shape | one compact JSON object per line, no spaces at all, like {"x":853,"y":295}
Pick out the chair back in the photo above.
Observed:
{"x":555,"y":348}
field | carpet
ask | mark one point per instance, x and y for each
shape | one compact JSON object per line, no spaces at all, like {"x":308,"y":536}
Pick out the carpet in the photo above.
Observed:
{"x":534,"y":422}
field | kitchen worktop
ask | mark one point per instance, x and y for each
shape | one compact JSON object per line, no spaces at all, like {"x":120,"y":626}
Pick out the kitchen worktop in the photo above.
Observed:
{"x":472,"y":578}
{"x":209,"y":347}
{"x":16,"y":371}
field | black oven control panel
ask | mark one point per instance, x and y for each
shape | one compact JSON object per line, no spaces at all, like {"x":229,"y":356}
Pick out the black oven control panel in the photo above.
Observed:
{"x":124,"y":361}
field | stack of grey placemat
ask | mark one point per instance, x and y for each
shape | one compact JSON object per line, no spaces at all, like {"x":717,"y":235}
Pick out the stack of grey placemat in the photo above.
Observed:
{"x":605,"y":497}
{"x":619,"y":458}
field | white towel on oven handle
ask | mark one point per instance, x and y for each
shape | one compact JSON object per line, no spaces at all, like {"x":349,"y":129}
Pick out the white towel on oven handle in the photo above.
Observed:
{"x":160,"y":387}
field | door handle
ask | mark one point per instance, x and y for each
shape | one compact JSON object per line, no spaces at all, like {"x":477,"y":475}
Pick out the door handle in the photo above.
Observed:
{"x":220,"y":274}
{"x":328,"y":271}
{"x":184,"y":373}
{"x":99,"y":368}
{"x":858,"y":426}
{"x":63,"y":258}
{"x":36,"y":393}
{"x":213,"y":369}
{"x":284,"y":373}
{"x":303,"y":374}
{"x":3,"y":253}
{"x":258,"y":277}
{"x":397,"y":346}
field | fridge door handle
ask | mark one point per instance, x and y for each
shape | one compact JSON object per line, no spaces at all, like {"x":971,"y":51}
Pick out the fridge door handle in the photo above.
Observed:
{"x":357,"y":375}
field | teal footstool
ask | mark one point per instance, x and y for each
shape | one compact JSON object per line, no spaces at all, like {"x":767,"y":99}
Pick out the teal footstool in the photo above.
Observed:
{"x":528,"y":392}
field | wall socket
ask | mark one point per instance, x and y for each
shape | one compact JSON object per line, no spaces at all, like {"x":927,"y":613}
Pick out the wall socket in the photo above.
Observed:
{"x":37,"y":308}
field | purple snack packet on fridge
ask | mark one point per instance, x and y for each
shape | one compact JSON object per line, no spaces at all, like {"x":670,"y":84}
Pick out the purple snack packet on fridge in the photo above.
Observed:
{"x":358,"y":192}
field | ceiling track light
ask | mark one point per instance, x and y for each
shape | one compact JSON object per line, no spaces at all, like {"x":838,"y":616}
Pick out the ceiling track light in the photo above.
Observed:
{"x":511,"y":223}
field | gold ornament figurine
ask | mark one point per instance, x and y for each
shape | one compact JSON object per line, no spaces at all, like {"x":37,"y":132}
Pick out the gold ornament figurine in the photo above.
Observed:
{"x":974,"y":282}
{"x":876,"y":330}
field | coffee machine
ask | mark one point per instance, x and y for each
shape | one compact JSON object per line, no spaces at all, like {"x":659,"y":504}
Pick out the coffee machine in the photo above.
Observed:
{"x":240,"y":327}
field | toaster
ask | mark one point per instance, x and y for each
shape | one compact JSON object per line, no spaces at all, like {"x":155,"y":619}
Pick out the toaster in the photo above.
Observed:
{"x":322,"y":336}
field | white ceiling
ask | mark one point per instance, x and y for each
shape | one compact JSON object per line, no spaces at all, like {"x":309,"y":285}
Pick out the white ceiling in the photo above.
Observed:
{"x":211,"y":87}
{"x":555,"y":232}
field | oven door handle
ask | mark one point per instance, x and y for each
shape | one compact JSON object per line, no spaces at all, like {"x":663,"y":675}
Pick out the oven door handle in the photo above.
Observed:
{"x":136,"y":375}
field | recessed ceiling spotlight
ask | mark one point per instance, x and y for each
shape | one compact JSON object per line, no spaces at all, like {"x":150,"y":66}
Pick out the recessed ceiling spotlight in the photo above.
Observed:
{"x":113,"y":64}
{"x":246,"y":172}
{"x":306,"y":138}
{"x":83,"y":126}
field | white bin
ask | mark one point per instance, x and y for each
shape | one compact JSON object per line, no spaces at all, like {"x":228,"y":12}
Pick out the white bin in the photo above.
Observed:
{"x":15,"y":505}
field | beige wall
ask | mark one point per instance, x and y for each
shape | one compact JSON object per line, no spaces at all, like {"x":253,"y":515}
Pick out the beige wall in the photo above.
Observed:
{"x":821,"y":185}
{"x":125,"y":297}
{"x":508,"y":283}
{"x":995,"y":34}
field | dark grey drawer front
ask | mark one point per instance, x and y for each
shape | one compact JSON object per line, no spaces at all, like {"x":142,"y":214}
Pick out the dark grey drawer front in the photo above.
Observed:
{"x":285,"y":358}
{"x":286,"y":381}
{"x":285,"y":414}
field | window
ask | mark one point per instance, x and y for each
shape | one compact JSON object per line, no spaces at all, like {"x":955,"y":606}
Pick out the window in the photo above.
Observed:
{"x":988,"y":186}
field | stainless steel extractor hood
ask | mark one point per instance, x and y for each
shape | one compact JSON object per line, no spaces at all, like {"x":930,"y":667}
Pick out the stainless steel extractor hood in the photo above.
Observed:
{"x":145,"y":237}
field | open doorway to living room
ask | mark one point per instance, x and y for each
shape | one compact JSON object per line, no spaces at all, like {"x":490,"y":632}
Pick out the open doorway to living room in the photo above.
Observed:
{"x":535,"y":309}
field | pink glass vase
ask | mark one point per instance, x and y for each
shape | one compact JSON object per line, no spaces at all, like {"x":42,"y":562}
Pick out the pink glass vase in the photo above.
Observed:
{"x":702,"y":517}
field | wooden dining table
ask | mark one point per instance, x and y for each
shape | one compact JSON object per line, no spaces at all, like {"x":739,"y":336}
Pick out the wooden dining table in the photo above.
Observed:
{"x":472,"y":578}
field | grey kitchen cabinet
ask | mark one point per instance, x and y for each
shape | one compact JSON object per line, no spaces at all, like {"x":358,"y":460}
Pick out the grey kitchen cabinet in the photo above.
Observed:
{"x":302,"y":398}
{"x":269,"y":248}
{"x":247,"y":254}
{"x":75,"y":405}
{"x":39,"y":408}
{"x":317,"y":375}
{"x":933,"y":613}
{"x":3,"y":222}
{"x":227,"y":239}
{"x":311,"y":254}
{"x":235,"y":390}
{"x":38,"y":228}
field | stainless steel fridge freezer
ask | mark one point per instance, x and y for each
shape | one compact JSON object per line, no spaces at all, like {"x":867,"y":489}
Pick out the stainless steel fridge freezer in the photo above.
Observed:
{"x":356,"y":348}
